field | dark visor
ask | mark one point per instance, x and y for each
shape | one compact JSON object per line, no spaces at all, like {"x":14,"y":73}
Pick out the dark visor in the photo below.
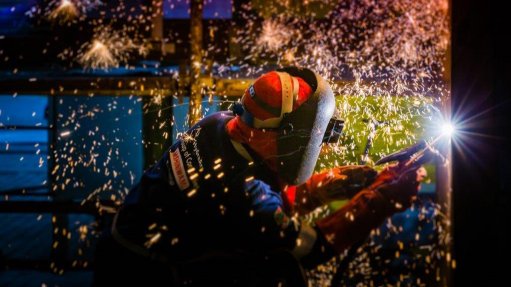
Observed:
{"x":333,"y":131}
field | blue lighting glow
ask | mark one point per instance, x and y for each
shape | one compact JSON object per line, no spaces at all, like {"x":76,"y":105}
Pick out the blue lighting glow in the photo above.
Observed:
{"x":180,"y":9}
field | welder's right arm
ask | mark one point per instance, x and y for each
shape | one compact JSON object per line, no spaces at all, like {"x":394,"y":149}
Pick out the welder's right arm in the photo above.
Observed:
{"x":390,"y":193}
{"x":338,"y":183}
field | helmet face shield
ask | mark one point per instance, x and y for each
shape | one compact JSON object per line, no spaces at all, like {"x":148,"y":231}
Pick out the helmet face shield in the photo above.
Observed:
{"x":302,"y":132}
{"x":297,"y":126}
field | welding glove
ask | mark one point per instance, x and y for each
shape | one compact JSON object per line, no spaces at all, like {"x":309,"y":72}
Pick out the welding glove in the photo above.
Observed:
{"x":334,"y":184}
{"x":393,"y":190}
{"x":399,"y":186}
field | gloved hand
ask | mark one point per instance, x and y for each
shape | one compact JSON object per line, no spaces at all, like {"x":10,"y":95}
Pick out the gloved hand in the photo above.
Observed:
{"x":334,"y":184}
{"x":393,"y":190}
{"x":399,"y":185}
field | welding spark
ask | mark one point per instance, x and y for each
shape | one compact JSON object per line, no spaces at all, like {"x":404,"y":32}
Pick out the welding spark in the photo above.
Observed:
{"x":107,"y":50}
{"x":66,"y":11}
{"x":153,"y":238}
{"x":274,"y":35}
{"x":63,"y":11}
{"x":98,"y":56}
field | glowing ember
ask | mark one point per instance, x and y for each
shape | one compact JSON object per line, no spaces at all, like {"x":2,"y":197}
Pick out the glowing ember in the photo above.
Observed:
{"x":98,"y":56}
{"x":107,"y":50}
{"x":64,"y":12}
{"x":273,"y":35}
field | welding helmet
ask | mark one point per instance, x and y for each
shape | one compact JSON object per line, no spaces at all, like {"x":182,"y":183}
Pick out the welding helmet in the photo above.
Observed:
{"x":297,"y":105}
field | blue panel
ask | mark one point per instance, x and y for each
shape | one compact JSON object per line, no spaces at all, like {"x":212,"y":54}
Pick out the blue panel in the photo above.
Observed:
{"x":20,"y":137}
{"x":23,"y":152}
{"x":19,"y":171}
{"x":213,"y":9}
{"x":26,"y":236}
{"x":30,"y":237}
{"x":23,"y":110}
{"x":99,"y":145}
{"x":12,"y":15}
{"x":33,"y":278}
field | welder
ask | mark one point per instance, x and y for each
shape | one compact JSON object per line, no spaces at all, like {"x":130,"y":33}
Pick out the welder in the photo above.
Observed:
{"x":223,"y":205}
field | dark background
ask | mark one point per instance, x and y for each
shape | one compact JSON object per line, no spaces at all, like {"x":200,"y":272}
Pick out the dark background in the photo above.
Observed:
{"x":480,"y":79}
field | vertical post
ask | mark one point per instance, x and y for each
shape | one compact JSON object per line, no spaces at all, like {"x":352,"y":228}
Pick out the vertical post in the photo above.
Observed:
{"x":60,"y":240}
{"x":444,"y":174}
{"x":60,"y":245}
{"x":444,"y":199}
{"x":156,"y":15}
{"x":195,"y":109}
{"x":183,"y":84}
{"x":157,"y":21}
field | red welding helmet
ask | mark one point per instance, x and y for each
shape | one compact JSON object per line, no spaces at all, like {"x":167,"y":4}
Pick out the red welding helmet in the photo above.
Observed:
{"x":297,"y":105}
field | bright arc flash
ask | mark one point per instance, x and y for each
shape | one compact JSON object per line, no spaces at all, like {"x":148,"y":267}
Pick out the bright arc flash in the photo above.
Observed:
{"x":448,"y":129}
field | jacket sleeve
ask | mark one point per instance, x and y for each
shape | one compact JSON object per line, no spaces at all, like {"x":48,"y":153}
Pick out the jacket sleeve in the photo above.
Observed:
{"x":347,"y":226}
{"x":272,"y":228}
{"x":392,"y":191}
{"x":269,"y":224}
{"x":354,"y":221}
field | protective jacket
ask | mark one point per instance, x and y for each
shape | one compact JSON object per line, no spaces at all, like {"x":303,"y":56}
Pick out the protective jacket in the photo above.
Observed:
{"x":204,"y":196}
